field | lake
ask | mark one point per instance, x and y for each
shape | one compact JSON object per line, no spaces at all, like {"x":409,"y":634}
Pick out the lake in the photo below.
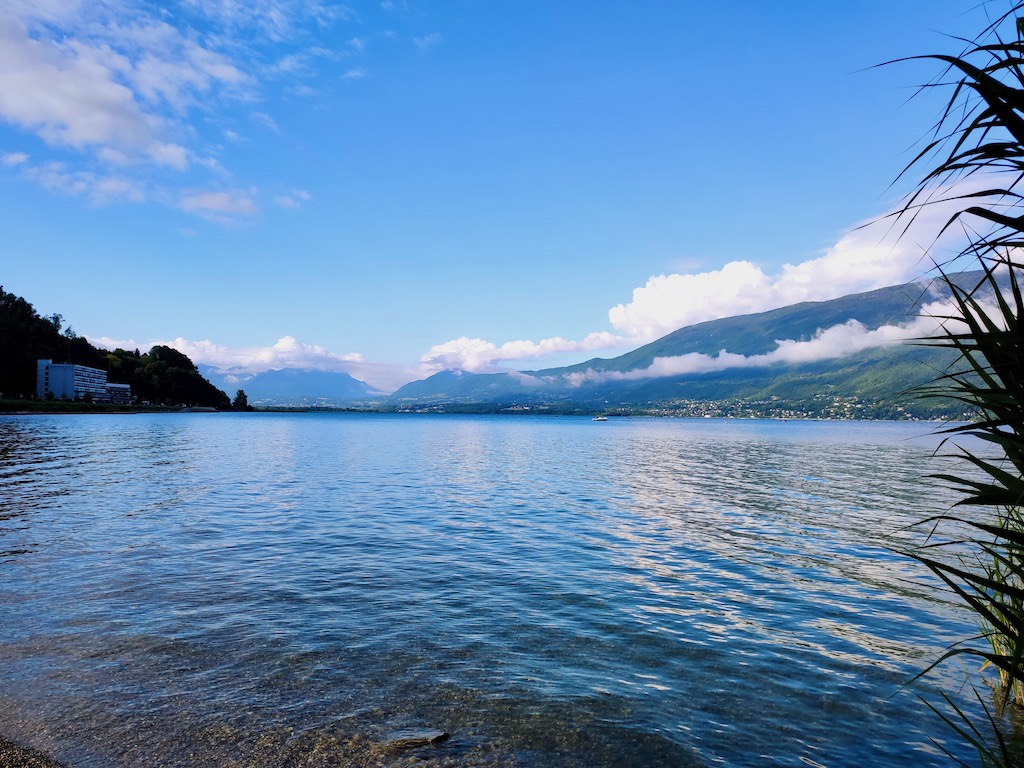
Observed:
{"x":305,"y":589}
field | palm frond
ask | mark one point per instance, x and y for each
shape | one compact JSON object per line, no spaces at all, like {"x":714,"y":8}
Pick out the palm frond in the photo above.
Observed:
{"x":978,"y":552}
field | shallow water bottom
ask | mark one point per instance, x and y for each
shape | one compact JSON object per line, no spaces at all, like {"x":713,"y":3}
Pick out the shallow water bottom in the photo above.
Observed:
{"x":297,"y":589}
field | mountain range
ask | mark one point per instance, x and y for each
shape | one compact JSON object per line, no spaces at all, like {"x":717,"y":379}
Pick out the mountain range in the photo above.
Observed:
{"x":828,"y":359}
{"x":294,"y":387}
{"x":808,"y":359}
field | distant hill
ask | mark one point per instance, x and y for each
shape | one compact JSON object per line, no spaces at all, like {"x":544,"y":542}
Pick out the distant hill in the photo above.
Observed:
{"x":461,"y":385}
{"x":298,"y":387}
{"x":756,"y":334}
{"x":871,"y":381}
{"x":162,"y":376}
{"x":740,"y":375}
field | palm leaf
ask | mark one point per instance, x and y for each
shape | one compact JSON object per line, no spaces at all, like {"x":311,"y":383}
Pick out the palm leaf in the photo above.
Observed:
{"x":979,"y":555}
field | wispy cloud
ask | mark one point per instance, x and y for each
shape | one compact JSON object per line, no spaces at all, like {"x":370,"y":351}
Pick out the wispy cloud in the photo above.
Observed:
{"x":97,"y":188}
{"x":479,"y":355}
{"x":293,"y":199}
{"x":223,"y":206}
{"x":277,"y":20}
{"x":427,"y":42}
{"x":262,"y":118}
{"x":290,"y":64}
{"x":870,"y":256}
{"x":115,"y":83}
{"x":287,"y":352}
{"x":837,"y":341}
{"x":865,"y":258}
{"x":109,"y":82}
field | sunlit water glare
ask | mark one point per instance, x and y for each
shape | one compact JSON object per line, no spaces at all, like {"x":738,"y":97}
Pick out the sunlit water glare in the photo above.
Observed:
{"x":295,"y":589}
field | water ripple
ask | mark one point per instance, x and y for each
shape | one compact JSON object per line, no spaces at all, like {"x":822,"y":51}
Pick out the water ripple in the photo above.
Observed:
{"x":289,"y":589}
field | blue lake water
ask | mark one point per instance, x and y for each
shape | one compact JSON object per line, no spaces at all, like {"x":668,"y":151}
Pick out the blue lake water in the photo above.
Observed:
{"x":297,"y":589}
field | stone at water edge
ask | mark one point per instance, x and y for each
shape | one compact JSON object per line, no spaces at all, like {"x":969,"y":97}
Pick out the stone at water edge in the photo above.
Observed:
{"x":411,"y":737}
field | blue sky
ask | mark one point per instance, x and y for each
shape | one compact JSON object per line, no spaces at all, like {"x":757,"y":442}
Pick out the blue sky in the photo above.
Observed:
{"x":391,"y":188}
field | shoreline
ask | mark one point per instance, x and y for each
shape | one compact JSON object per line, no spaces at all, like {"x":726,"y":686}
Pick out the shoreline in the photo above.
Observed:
{"x":134,"y":411}
{"x":16,"y":756}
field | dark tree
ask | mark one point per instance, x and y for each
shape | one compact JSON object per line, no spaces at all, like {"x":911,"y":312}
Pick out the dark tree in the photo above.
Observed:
{"x":241,"y":402}
{"x":164,"y":375}
{"x":24,"y":338}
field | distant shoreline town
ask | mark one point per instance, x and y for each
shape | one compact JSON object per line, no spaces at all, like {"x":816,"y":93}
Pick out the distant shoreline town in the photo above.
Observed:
{"x":728,"y":368}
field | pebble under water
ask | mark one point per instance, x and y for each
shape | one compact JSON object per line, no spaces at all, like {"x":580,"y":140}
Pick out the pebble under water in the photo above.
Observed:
{"x":317,"y":589}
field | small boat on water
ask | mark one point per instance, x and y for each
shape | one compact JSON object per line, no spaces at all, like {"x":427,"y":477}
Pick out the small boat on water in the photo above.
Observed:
{"x":600,"y":418}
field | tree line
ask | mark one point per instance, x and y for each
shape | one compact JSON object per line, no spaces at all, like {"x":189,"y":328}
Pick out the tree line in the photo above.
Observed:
{"x":162,"y":376}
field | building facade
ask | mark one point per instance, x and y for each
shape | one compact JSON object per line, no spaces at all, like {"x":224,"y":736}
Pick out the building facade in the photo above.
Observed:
{"x":121,"y":394}
{"x":76,"y":382}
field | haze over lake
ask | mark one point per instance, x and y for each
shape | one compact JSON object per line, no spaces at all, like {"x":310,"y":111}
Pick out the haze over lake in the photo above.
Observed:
{"x":301,"y":589}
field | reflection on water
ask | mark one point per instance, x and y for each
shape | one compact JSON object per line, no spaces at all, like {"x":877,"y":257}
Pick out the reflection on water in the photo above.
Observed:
{"x":264,"y":590}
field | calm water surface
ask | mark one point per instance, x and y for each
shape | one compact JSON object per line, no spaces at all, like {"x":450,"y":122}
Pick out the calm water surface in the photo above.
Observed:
{"x":297,"y":589}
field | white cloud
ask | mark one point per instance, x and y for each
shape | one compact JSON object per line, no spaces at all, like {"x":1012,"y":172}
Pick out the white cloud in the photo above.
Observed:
{"x":428,"y":41}
{"x":668,"y":302}
{"x":212,"y":164}
{"x":835,"y":342}
{"x":99,"y":77}
{"x":866,"y":258}
{"x":120,"y":82}
{"x":275,"y":19}
{"x":265,"y":120}
{"x":99,"y":189}
{"x":293,"y":200}
{"x":291,"y":64}
{"x":220,"y":206}
{"x":111,"y":188}
{"x":56,"y":178}
{"x":479,"y":355}
{"x":871,"y":256}
{"x":286,"y":352}
{"x":356,"y":73}
{"x":69,"y":93}
{"x":171,"y":155}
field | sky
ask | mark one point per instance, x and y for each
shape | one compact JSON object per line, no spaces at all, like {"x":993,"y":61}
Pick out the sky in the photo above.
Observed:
{"x":394,"y":188}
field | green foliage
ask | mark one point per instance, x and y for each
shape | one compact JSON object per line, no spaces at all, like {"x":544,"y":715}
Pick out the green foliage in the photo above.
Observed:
{"x":241,"y":402}
{"x":163,"y":376}
{"x":987,"y":574}
{"x":758,"y":334}
{"x":875,"y":381}
{"x":24,"y":337}
{"x":977,"y":550}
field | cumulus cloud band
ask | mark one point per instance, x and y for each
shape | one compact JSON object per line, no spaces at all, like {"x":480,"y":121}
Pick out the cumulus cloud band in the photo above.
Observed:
{"x":872,"y":255}
{"x":828,"y":343}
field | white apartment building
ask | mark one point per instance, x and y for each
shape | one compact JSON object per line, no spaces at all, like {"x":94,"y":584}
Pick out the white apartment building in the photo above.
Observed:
{"x":74,"y":382}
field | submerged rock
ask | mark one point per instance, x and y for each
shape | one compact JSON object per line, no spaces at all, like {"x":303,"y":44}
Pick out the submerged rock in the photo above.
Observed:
{"x":411,"y":738}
